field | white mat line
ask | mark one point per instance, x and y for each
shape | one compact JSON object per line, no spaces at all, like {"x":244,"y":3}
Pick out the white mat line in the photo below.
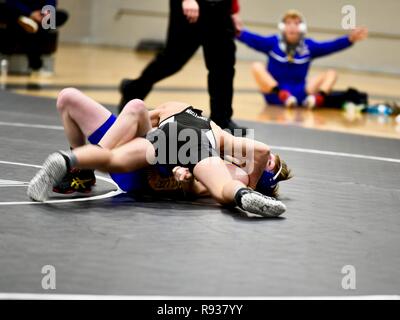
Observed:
{"x":283,"y":148}
{"x":29,"y":125}
{"x":109,"y":194}
{"x":44,"y":296}
{"x":337,"y":154}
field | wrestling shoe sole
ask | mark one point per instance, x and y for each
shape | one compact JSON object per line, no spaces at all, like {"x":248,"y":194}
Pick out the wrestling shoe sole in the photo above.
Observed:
{"x":53,"y":170}
{"x":259,"y":204}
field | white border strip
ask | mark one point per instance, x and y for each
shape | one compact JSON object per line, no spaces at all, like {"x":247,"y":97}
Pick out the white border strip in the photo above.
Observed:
{"x":109,"y":194}
{"x":40,"y":296}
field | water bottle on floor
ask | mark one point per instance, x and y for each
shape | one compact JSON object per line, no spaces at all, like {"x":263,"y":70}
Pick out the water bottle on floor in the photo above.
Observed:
{"x":3,"y":73}
{"x":380,"y":109}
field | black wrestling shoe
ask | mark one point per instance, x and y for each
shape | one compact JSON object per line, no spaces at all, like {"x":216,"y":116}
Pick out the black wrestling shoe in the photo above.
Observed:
{"x":235,"y":129}
{"x":132,"y":89}
{"x":76,"y":180}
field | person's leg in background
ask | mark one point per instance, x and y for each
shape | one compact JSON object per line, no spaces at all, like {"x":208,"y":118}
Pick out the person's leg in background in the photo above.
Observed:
{"x":38,"y":41}
{"x":269,"y":86}
{"x":319,"y":87}
{"x":265,"y":81}
{"x":24,"y":32}
{"x":217,"y":31}
{"x":182,"y":42}
{"x":61,"y":17}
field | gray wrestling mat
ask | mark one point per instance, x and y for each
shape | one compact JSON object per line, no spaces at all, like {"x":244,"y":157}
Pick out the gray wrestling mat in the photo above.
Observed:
{"x":343,"y":209}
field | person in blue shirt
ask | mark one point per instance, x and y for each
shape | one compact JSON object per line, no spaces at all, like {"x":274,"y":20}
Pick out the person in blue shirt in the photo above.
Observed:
{"x":290,"y":53}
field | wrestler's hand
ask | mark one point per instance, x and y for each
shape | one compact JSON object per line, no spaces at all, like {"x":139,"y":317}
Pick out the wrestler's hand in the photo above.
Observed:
{"x":191,"y":10}
{"x":358,"y":34}
{"x":237,"y":23}
{"x":182,"y":174}
{"x":37,"y":16}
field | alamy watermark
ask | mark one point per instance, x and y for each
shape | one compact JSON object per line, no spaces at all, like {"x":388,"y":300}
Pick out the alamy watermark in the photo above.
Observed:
{"x":349,"y":17}
{"x":349,"y":278}
{"x":49,"y":17}
{"x":49,"y":278}
{"x":187,"y":146}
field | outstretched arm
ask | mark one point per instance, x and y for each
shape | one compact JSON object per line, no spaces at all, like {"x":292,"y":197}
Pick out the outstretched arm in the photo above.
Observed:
{"x":257,"y":42}
{"x":319,"y":49}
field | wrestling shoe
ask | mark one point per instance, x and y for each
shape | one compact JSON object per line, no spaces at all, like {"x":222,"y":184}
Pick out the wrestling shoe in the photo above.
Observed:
{"x":235,"y":129}
{"x":28,"y":24}
{"x":53,"y":170}
{"x":287,"y":99}
{"x":76,"y":180}
{"x":257,"y":203}
{"x":314,"y":100}
{"x":132,"y":89}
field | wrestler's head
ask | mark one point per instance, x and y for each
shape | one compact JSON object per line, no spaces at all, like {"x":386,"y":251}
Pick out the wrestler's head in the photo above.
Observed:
{"x":275,"y":171}
{"x":292,"y":26}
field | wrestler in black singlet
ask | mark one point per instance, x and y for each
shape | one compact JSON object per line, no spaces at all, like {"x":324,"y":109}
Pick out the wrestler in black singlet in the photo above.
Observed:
{"x":183,"y":139}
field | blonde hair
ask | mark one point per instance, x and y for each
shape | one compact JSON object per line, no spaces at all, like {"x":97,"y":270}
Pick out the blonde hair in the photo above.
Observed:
{"x":293,"y":14}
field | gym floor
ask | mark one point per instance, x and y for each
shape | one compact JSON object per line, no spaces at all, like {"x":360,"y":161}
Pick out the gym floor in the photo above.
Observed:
{"x":343,"y":204}
{"x":98,"y":70}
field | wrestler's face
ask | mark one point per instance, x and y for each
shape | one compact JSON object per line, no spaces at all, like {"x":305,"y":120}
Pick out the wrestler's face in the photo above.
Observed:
{"x":292,"y":30}
{"x":271,"y":163}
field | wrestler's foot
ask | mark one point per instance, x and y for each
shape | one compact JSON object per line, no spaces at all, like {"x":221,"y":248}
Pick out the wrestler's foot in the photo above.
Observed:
{"x":314,"y":100}
{"x":257,"y":203}
{"x":51,"y":173}
{"x":132,"y":89}
{"x":235,"y":129}
{"x":76,"y":180}
{"x":287,"y":99}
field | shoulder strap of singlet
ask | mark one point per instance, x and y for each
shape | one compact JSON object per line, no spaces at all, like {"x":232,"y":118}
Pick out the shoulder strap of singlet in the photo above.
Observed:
{"x":171,"y":117}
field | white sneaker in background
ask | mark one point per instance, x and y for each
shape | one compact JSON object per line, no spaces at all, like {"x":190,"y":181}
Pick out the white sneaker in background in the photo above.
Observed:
{"x":28,"y":24}
{"x":41,"y":73}
{"x":310,"y":102}
{"x":291,"y":102}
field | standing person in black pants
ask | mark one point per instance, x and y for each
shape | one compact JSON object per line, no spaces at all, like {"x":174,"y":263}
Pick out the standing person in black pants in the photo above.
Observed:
{"x":208,"y":23}
{"x":25,"y":22}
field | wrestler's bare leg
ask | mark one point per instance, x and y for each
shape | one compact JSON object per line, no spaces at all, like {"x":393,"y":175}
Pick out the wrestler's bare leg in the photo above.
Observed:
{"x":323,"y":82}
{"x":264,"y":79}
{"x":80,"y":115}
{"x":215,"y":176}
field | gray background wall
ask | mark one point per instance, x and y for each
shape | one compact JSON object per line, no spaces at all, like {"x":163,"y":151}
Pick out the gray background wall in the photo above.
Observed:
{"x":96,"y":22}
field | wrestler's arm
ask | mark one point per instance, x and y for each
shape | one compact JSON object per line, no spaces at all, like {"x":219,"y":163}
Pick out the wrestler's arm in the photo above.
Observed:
{"x":155,"y":117}
{"x":249,"y":154}
{"x":193,"y":186}
{"x":165,"y":110}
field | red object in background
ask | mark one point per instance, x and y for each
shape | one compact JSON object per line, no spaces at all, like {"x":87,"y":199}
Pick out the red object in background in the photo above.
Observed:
{"x":284,"y":95}
{"x":235,"y":6}
{"x":319,"y":100}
